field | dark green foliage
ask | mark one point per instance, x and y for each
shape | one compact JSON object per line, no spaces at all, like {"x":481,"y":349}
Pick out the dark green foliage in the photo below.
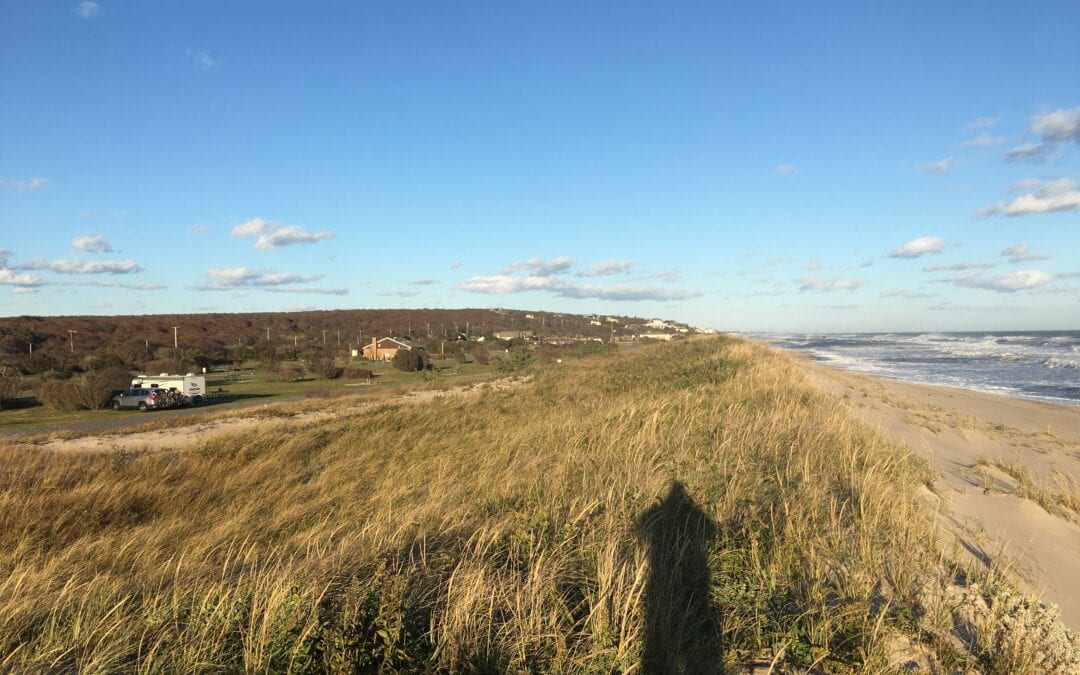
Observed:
{"x":353,"y":373}
{"x":409,"y":360}
{"x":515,"y":359}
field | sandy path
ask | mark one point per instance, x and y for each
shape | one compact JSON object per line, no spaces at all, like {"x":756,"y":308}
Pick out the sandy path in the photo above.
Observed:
{"x":1003,"y":466}
{"x":183,"y":437}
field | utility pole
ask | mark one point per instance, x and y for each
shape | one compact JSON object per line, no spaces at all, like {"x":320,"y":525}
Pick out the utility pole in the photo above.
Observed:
{"x":268,"y":333}
{"x":324,"y":338}
{"x":71,"y":337}
{"x":428,"y":326}
{"x":175,"y":339}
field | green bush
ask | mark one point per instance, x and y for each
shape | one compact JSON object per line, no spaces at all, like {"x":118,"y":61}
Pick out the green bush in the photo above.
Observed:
{"x":514,"y":360}
{"x":409,"y":360}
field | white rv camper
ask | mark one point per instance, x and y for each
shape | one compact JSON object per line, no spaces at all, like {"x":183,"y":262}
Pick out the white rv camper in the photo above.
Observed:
{"x":191,"y":385}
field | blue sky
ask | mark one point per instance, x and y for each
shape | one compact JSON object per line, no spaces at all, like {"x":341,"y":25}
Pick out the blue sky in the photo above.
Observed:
{"x":772,"y":166}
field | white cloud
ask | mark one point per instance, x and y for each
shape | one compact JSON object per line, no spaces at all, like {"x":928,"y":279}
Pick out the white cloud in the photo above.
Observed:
{"x":786,"y":170}
{"x":424,"y":282}
{"x":983,"y":141}
{"x":199,"y":230}
{"x":1055,"y":195}
{"x":307,"y":290}
{"x":84,"y":266}
{"x":24,"y":185}
{"x":918,"y":247}
{"x":1021,"y":253}
{"x":140,"y":286}
{"x":538,"y":267}
{"x":1025,"y":184}
{"x":9,"y":277}
{"x":501,"y":284}
{"x":233,"y":277}
{"x":813,"y":265}
{"x":1030,"y":151}
{"x":272,"y":234}
{"x":289,"y":235}
{"x":773,"y":262}
{"x":958,"y":267}
{"x":92,"y":243}
{"x":1022,"y":280}
{"x":828,"y":284}
{"x":542,"y":276}
{"x":1054,"y":129}
{"x":606,"y":268}
{"x":253,"y":227}
{"x":204,"y":61}
{"x":982,"y":123}
{"x":1059,"y":126}
{"x":903,"y":293}
{"x":663,"y":274}
{"x":942,"y":166}
{"x":455,"y":265}
{"x":87,"y":9}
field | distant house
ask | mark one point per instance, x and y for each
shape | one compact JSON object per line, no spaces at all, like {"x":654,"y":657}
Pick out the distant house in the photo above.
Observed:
{"x":384,"y":349}
{"x":512,"y":334}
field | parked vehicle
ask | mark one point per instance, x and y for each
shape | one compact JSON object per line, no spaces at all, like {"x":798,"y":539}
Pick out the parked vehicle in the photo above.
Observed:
{"x":143,"y":399}
{"x":190,"y":386}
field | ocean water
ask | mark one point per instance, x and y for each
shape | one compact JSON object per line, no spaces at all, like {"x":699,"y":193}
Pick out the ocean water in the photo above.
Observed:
{"x":1040,"y":365}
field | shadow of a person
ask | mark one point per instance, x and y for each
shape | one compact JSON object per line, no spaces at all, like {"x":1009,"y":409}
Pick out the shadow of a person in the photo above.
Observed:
{"x":682,"y":631}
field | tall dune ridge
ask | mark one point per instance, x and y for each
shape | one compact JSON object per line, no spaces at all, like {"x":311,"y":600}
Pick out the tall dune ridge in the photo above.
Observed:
{"x":688,"y":507}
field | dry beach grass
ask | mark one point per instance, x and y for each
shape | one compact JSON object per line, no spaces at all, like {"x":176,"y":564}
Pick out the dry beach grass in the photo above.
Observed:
{"x":690,"y":508}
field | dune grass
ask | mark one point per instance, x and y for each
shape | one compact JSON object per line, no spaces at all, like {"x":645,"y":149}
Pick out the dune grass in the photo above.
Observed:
{"x":681,"y":508}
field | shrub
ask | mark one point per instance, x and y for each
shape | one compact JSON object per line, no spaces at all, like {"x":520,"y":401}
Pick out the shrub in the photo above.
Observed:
{"x":480,"y":354}
{"x":409,"y":360}
{"x":162,"y":366}
{"x":290,"y":372}
{"x":84,"y":392}
{"x":513,"y":360}
{"x":322,"y":363}
{"x":353,"y":373}
{"x":10,"y":388}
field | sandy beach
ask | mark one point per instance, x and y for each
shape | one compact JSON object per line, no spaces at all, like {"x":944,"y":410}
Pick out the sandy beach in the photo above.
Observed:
{"x":1007,"y":486}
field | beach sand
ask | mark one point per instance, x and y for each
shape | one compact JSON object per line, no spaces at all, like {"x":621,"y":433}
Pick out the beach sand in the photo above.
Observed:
{"x":1007,"y":487}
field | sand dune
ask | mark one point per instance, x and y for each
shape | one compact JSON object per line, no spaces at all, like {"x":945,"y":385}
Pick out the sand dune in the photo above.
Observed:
{"x":1008,"y":473}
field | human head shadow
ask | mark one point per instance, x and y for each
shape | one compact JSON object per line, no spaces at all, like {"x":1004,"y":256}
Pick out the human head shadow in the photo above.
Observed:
{"x":682,"y":628}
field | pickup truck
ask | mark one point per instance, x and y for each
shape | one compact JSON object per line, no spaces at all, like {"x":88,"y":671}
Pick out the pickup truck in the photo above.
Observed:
{"x":143,"y":399}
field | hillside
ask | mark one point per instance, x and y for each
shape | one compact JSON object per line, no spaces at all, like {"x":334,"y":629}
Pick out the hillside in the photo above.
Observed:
{"x":676,"y":508}
{"x":152,"y":336}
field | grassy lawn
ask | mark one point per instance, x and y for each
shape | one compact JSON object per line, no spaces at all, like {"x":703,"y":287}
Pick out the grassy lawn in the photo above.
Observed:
{"x":252,"y":383}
